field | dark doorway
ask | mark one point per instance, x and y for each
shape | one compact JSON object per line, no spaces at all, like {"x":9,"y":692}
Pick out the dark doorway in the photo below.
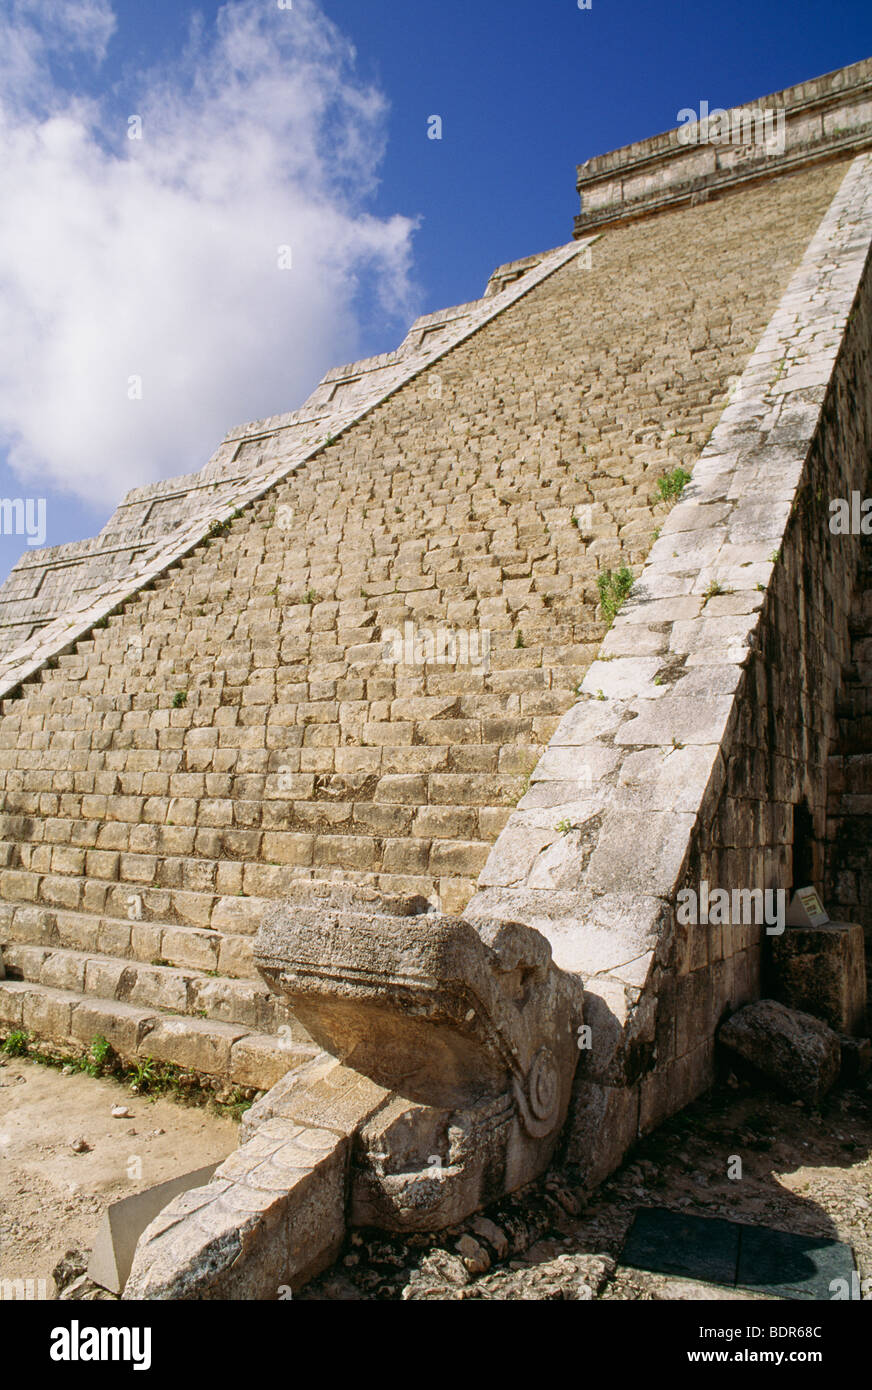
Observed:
{"x":803,"y":847}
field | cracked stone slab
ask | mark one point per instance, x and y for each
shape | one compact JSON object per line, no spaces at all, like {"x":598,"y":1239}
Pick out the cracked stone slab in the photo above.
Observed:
{"x":624,"y":678}
{"x":679,"y":719}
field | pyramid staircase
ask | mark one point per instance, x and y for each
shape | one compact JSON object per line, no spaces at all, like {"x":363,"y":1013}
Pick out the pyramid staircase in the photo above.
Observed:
{"x":144,"y":829}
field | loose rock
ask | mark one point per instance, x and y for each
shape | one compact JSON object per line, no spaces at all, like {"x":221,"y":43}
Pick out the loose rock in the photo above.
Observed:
{"x":797,"y":1051}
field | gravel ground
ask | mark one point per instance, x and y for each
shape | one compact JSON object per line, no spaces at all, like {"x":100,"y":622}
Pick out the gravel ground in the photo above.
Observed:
{"x":803,"y":1170}
{"x":51,"y":1196}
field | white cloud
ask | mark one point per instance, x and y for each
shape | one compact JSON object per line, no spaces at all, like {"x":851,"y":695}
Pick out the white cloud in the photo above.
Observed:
{"x":158,"y":257}
{"x":37,"y":31}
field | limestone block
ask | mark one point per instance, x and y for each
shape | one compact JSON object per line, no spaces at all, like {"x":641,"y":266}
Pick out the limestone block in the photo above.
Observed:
{"x":671,"y":1087}
{"x":62,"y":970}
{"x":192,"y":1043}
{"x":186,"y":946}
{"x":641,"y":852}
{"x":624,"y":678}
{"x":670,"y":779}
{"x":822,"y":971}
{"x":272,"y":1216}
{"x":12,"y":997}
{"x":604,"y":1124}
{"x":123,"y":1023}
{"x":48,"y":1013}
{"x":238,"y":915}
{"x":262,"y":1060}
{"x":236,"y":956}
{"x":679,"y":719}
{"x":324,"y":1094}
{"x":511,"y":860}
{"x":427,"y":1167}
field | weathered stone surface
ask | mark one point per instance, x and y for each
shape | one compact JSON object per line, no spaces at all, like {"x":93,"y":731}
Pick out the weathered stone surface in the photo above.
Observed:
{"x":323,"y":1094}
{"x":605,"y":1123}
{"x":285,"y":747}
{"x":671,"y":169}
{"x":822,"y":971}
{"x":458,"y":1050}
{"x":729,"y":745}
{"x":471,"y":1027}
{"x":455,"y":985}
{"x":426,"y":1167}
{"x":272,"y":1217}
{"x":794,"y":1049}
{"x":625,"y":678}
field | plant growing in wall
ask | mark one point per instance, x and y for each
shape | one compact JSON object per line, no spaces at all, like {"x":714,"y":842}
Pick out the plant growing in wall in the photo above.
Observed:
{"x":672,"y":485}
{"x":613,"y":589}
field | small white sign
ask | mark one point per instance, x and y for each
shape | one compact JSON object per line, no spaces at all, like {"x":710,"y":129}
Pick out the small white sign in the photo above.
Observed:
{"x":807,"y":910}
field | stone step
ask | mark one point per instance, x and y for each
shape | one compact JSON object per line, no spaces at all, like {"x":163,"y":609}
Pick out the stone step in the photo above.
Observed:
{"x":218,"y":948}
{"x":236,"y":914}
{"x":534,"y":615}
{"x":188,"y":891}
{"x":356,"y":897}
{"x":235,"y":1054}
{"x":515,"y":709}
{"x":168,"y":989}
{"x":96,"y":896}
{"x":190,"y":806}
{"x":402,"y":647}
{"x":190,"y":822}
{"x":194,"y":948}
{"x":71,"y":975}
{"x":198,"y":948}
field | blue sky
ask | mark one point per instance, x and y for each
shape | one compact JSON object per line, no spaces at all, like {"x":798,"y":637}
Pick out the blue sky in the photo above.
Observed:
{"x":156,"y":258}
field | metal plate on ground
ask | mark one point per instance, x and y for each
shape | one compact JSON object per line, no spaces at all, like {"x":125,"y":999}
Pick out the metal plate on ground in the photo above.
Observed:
{"x":668,"y":1242}
{"x":791,"y":1266}
{"x":758,"y":1258}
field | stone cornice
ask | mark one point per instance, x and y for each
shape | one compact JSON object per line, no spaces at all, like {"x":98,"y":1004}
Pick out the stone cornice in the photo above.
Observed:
{"x":826,"y":118}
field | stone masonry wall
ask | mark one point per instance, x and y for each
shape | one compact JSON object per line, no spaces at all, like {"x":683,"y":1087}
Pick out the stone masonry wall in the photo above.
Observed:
{"x":706,"y":723}
{"x":848,"y":862}
{"x":778,"y":755}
